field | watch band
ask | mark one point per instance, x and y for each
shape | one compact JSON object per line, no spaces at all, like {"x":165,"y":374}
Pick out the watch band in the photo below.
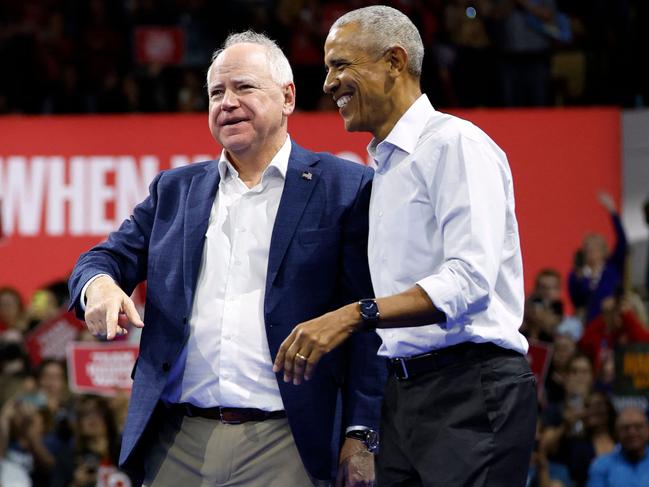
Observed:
{"x":369,"y":437}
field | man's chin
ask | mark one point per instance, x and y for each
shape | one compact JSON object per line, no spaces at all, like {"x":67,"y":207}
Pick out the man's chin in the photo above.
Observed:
{"x":351,"y":125}
{"x":235,"y":144}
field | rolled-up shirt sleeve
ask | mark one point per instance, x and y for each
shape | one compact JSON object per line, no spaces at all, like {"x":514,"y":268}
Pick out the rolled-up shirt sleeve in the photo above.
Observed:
{"x":469,"y":195}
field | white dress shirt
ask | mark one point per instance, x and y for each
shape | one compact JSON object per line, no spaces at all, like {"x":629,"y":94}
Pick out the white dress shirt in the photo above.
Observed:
{"x":228,"y":360}
{"x":442,"y":217}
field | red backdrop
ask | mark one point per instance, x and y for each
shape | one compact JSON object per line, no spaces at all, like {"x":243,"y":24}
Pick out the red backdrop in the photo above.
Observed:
{"x":66,"y":181}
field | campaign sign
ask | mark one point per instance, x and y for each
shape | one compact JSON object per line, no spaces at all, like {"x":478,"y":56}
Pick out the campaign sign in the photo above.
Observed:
{"x":159,"y":45}
{"x":50,"y":339}
{"x":538,"y":356}
{"x":632,"y":369}
{"x":101,"y":368}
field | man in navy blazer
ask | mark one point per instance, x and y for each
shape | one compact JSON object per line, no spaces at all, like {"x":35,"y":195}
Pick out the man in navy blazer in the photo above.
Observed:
{"x":235,"y":253}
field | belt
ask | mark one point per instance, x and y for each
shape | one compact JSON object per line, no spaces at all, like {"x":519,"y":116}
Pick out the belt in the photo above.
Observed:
{"x":404,"y":368}
{"x":227,"y":415}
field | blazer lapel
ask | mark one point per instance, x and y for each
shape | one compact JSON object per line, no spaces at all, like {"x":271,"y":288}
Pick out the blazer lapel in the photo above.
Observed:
{"x":200,"y":198}
{"x":301,"y":178}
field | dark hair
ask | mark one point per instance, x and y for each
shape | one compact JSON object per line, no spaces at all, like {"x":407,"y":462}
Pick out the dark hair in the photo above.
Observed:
{"x":545,"y":272}
{"x":10,"y":351}
{"x":109,"y":420}
{"x":611,"y":413}
{"x":49,"y":361}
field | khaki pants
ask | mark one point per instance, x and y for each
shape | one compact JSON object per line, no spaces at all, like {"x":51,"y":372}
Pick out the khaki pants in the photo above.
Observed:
{"x":193,"y":451}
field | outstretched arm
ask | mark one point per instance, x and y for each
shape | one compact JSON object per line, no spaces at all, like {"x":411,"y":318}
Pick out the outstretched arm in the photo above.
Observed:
{"x":123,"y":260}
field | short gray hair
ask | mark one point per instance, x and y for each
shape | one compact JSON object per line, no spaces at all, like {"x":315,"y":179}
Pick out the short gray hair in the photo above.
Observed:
{"x":280,"y":69}
{"x":387,"y":27}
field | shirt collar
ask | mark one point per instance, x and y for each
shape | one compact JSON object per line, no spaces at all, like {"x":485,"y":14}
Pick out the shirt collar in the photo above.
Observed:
{"x":405,"y":133}
{"x":277,"y":165}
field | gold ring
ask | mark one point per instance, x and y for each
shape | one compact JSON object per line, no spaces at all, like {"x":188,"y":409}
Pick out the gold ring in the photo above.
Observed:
{"x":301,"y":357}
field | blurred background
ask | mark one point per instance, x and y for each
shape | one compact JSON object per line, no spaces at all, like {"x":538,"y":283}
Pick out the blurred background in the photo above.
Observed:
{"x":97,"y":96}
{"x":122,"y":56}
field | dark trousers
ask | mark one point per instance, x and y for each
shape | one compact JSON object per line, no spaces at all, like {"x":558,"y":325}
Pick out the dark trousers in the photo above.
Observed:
{"x":468,"y":424}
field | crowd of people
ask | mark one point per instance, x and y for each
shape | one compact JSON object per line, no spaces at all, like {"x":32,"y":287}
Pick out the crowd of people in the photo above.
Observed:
{"x":585,"y":435}
{"x":81,"y":57}
{"x":583,"y":438}
{"x":49,"y":436}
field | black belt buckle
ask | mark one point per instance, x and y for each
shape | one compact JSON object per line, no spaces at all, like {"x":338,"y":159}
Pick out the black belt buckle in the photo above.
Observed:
{"x":226,"y":421}
{"x":399,"y":368}
{"x":402,"y":367}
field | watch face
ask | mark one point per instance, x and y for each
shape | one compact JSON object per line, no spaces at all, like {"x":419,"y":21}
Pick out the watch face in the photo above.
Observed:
{"x":369,"y":309}
{"x":372,"y":440}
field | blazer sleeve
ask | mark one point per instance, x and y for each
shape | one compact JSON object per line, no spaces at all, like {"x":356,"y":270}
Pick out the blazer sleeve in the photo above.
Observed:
{"x":123,"y":256}
{"x":365,"y":371}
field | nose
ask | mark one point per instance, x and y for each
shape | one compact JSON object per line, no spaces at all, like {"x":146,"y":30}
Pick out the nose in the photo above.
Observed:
{"x":230,"y":100}
{"x":330,"y":83}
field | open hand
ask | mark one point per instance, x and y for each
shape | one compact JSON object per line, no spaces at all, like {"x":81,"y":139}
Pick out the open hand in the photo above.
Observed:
{"x":299,"y":354}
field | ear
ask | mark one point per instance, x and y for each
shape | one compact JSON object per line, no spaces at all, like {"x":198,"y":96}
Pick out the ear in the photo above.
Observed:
{"x":289,"y":99}
{"x":397,"y":59}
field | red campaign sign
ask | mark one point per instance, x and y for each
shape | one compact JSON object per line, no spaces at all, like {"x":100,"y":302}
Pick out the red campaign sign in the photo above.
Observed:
{"x":50,"y":338}
{"x":538,"y":356}
{"x":101,"y":368}
{"x":159,"y":45}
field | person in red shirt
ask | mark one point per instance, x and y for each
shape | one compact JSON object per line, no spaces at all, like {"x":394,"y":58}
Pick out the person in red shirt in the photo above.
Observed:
{"x":616,"y":325}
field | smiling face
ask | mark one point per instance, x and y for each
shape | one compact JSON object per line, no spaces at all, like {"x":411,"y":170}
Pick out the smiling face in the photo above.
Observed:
{"x":360,"y":82}
{"x":248,"y":110}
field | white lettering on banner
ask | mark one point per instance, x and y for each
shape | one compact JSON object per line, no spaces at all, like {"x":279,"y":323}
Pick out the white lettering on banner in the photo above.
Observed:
{"x":131,"y":189}
{"x":111,"y":369}
{"x":58,"y":193}
{"x":100,"y":194}
{"x":52,"y":343}
{"x":22,"y":194}
{"x":58,"y":196}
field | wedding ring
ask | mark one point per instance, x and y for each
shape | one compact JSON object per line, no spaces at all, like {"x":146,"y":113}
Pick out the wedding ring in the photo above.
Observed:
{"x":301,"y":357}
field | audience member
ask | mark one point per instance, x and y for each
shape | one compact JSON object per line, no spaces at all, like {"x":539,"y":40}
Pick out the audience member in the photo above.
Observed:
{"x":543,"y":472}
{"x":564,"y":348}
{"x":23,"y":420}
{"x":12,"y":310}
{"x":566,"y":418}
{"x":628,"y":464}
{"x":616,"y":325}
{"x":577,"y":450}
{"x":596,"y":275}
{"x":95,"y":448}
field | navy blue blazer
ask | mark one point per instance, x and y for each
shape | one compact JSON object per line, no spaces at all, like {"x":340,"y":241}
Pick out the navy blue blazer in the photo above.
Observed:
{"x":317,"y":262}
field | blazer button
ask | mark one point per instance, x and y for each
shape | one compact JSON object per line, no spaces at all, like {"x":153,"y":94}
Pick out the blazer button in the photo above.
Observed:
{"x":166,"y":366}
{"x":184,"y":320}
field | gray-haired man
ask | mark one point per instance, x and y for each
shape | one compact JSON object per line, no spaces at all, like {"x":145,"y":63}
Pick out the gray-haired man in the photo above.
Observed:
{"x":460,"y":403}
{"x":235,"y":253}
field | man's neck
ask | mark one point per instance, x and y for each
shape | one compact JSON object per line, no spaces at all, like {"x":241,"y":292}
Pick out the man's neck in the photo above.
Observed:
{"x":403,"y":97}
{"x":251,"y":166}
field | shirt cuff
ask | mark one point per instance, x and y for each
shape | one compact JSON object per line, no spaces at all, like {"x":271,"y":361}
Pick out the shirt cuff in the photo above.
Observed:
{"x":441,"y":295}
{"x":356,"y":428}
{"x":82,"y":297}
